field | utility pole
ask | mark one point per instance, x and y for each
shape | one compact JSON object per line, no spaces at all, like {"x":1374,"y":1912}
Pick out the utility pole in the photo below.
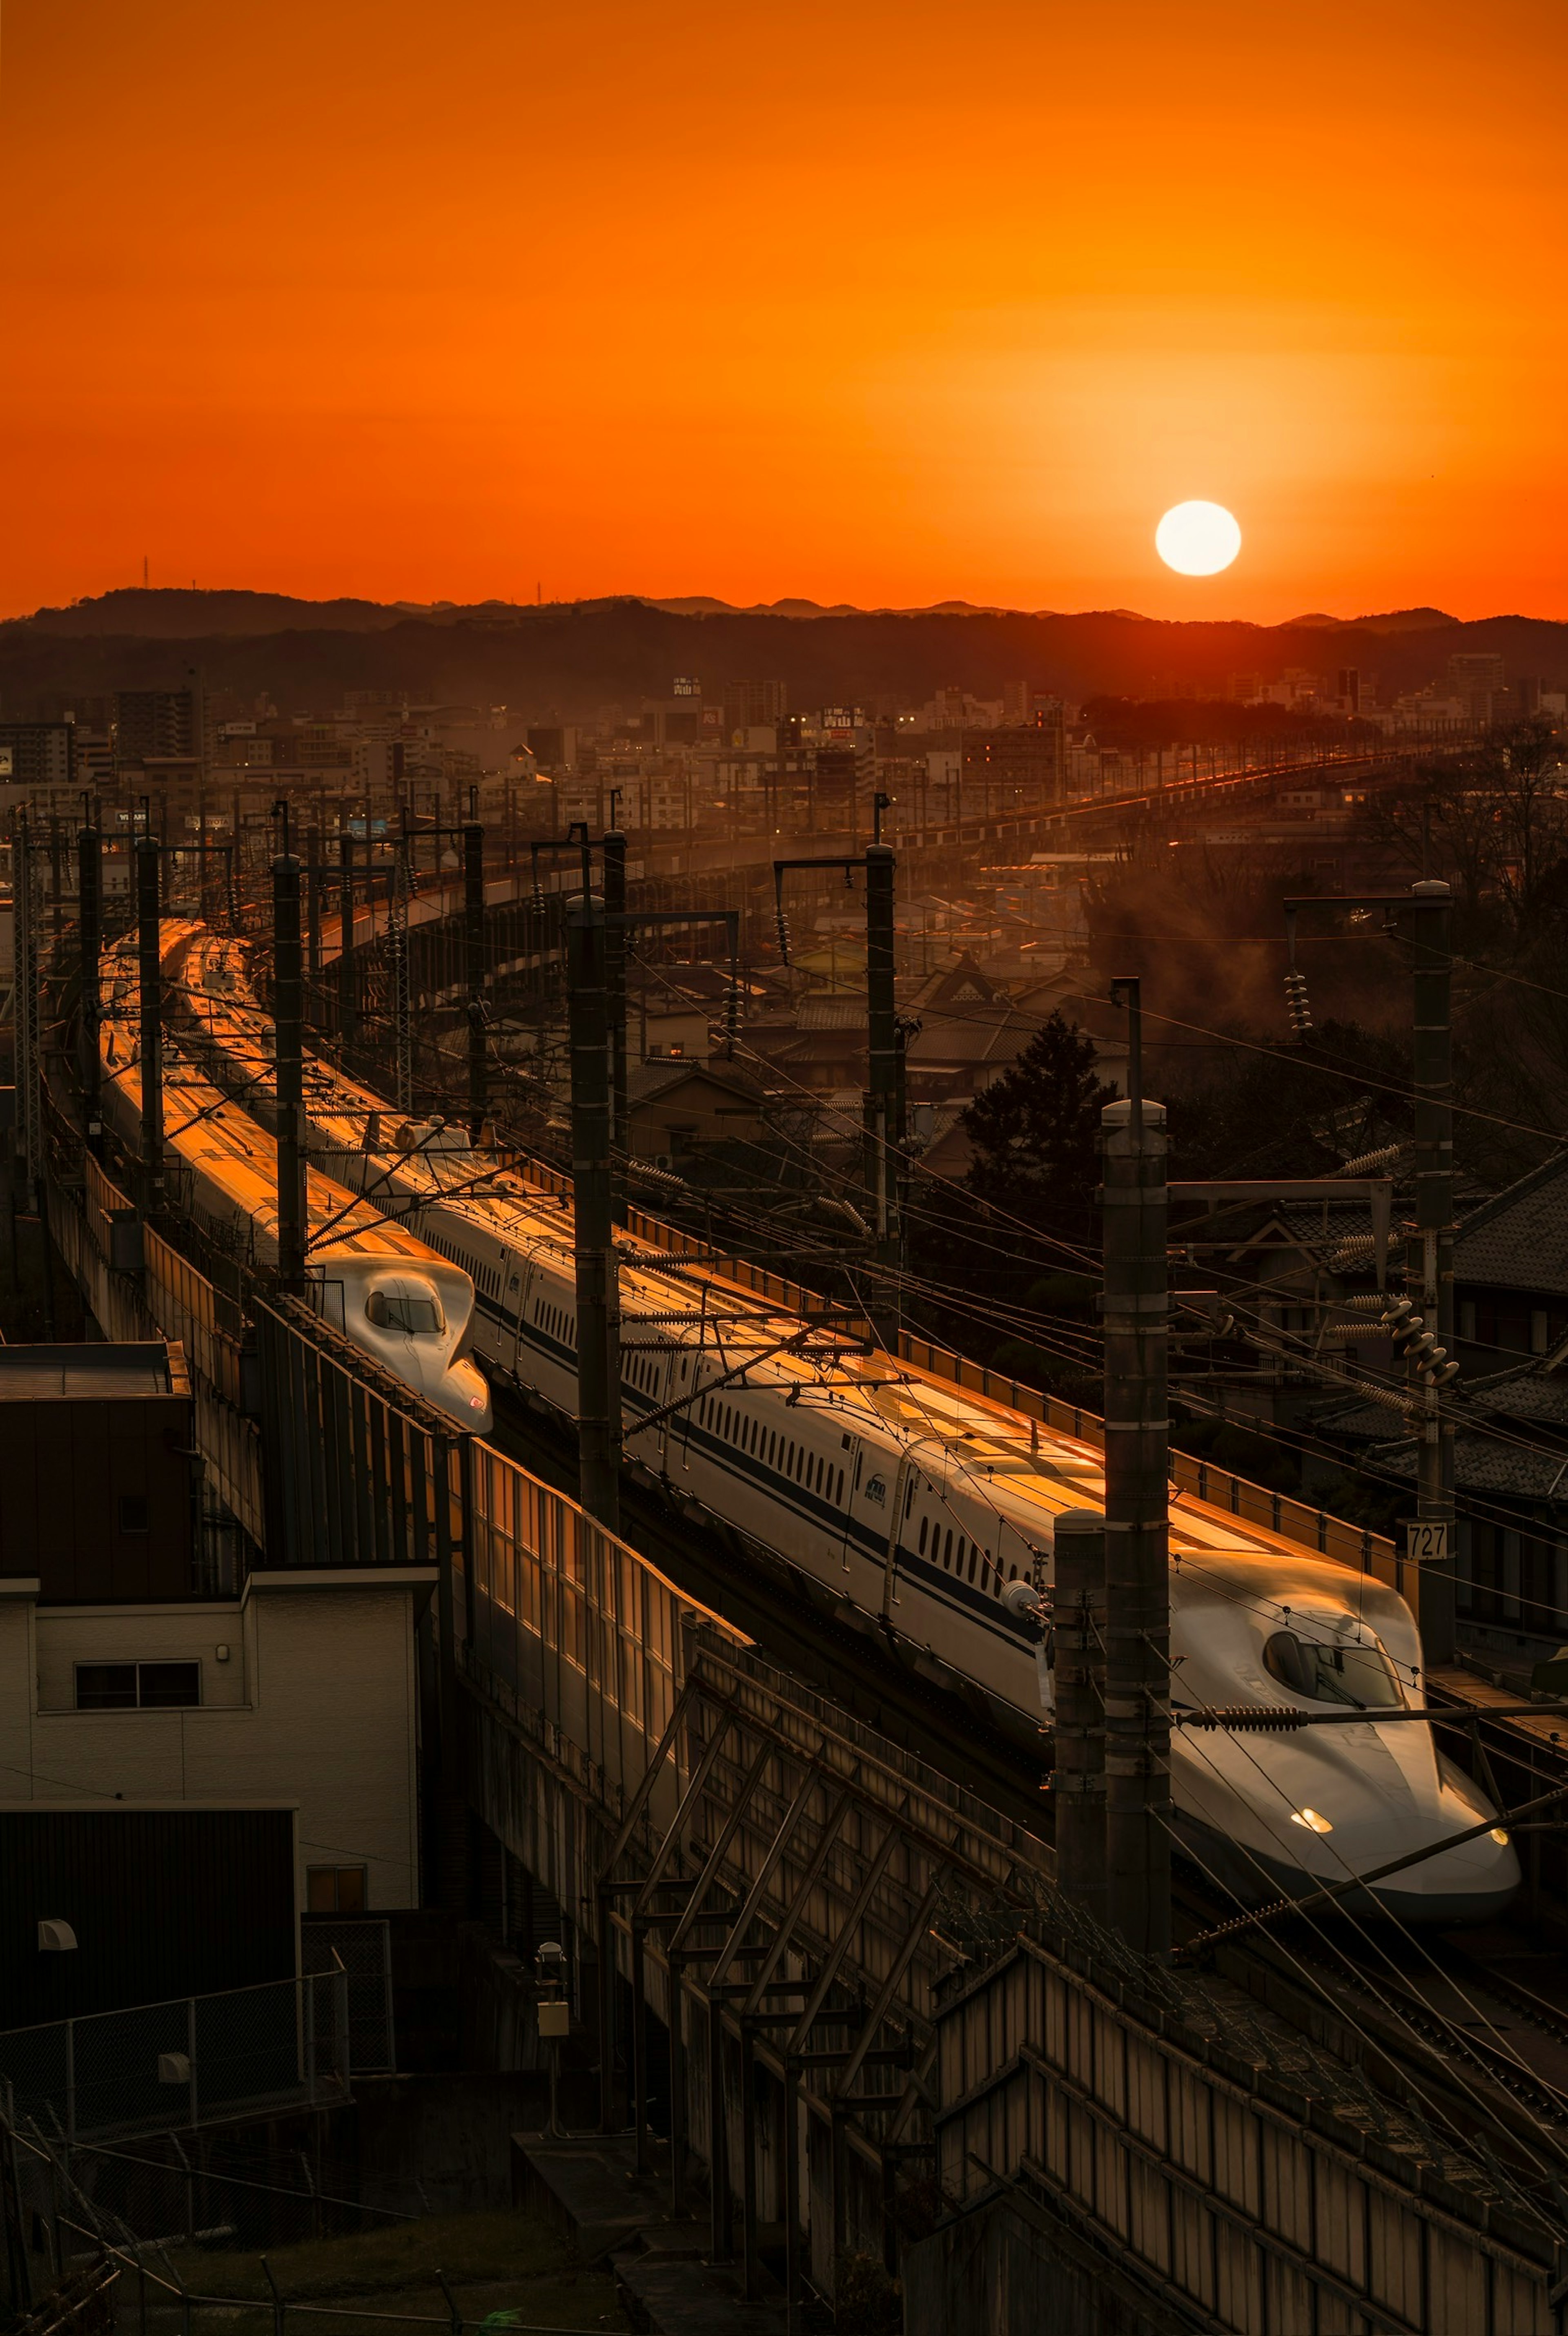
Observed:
{"x":1426,"y":913}
{"x":150,"y":983}
{"x":287,"y":1008}
{"x":473,"y":950}
{"x":1078,"y":1780}
{"x":1132,"y":1199}
{"x":883,"y":1064}
{"x":90,"y":920}
{"x":25,"y":978}
{"x":1429,"y":1254}
{"x":597,"y":1300}
{"x":615,"y":990}
{"x":346,"y":1031}
{"x":884,"y":1113}
{"x":313,"y":905}
{"x":398,"y":953}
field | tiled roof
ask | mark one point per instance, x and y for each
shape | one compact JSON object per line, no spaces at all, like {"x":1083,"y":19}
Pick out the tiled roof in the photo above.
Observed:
{"x":1483,"y":1465}
{"x":1519,"y":1241}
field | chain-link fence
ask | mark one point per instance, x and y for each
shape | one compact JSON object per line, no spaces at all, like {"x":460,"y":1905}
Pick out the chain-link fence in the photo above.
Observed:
{"x":361,"y":1949}
{"x":197,"y":2060}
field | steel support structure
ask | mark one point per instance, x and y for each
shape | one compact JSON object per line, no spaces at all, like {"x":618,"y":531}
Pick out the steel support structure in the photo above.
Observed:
{"x":614,"y":862}
{"x":1079,"y":1777}
{"x":1429,"y":1254}
{"x":598,"y":1305}
{"x":1425,"y":913}
{"x":25,"y":978}
{"x":401,"y":974}
{"x":150,"y":981}
{"x":346,"y":1020}
{"x":90,"y":1010}
{"x":313,"y":902}
{"x":287,"y":1015}
{"x":789,"y":1896}
{"x":885,"y":1112}
{"x":1136,"y":1309}
{"x":884,"y":1060}
{"x":475,"y":969}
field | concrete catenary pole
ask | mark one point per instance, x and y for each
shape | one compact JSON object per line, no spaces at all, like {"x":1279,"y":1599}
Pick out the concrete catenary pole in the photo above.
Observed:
{"x":615,"y":994}
{"x":1137,"y":1582}
{"x":150,"y":979}
{"x":1429,"y":1255}
{"x":1078,"y":1784}
{"x":90,"y":920}
{"x":474,"y":954}
{"x":287,"y":1015}
{"x":597,"y":1307}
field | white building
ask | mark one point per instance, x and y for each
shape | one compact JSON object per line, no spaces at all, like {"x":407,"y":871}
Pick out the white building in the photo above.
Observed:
{"x":299,"y":1693}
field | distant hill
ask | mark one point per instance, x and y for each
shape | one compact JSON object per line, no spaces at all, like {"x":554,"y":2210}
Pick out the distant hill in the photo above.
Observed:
{"x":565,"y":660}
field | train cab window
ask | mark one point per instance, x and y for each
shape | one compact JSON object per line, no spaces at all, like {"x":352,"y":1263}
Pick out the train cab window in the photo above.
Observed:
{"x":418,"y":1316}
{"x":1357,"y":1674}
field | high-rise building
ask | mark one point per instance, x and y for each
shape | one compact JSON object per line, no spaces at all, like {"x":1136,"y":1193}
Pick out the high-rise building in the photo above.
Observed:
{"x":753,"y":705}
{"x":155,"y":723}
{"x":1013,"y":772}
{"x":1471,"y":670}
{"x":1475,"y":678}
{"x":40,"y":755}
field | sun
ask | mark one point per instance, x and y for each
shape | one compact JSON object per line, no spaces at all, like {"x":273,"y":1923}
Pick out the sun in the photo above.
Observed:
{"x":1198,"y":538}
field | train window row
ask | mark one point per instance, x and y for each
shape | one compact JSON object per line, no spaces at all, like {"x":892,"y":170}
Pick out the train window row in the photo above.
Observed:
{"x":557,"y":1321}
{"x":959,"y":1555}
{"x":813,"y":1470}
{"x":641,"y":1370}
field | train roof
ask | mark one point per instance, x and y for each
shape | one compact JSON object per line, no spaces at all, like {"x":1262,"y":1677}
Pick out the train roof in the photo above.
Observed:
{"x":1032,"y":1472}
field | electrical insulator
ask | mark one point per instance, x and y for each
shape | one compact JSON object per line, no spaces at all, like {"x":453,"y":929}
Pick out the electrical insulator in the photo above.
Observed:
{"x":784,"y":935}
{"x":1403,"y":1324}
{"x":1297,"y":1006}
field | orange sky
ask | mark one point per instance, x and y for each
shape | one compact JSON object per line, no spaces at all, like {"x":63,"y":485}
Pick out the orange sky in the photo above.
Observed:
{"x":847,"y":298}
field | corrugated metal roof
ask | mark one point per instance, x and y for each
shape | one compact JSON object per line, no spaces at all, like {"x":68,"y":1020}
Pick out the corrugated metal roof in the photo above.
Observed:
{"x":84,"y":1373}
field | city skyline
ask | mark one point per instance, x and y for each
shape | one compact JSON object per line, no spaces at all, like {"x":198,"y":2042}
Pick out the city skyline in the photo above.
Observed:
{"x":844,"y":306}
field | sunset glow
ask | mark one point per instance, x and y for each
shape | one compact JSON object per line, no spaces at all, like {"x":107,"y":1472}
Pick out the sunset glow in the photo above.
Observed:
{"x":862,"y":303}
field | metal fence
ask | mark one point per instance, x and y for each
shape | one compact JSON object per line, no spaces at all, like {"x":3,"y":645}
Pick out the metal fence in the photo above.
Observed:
{"x":192,"y":2061}
{"x":1243,"y":2193}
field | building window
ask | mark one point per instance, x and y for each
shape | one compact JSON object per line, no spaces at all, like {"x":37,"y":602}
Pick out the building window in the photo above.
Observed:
{"x":138,"y":1687}
{"x":1539,"y":1340}
{"x":133,"y":1515}
{"x":335,"y":1890}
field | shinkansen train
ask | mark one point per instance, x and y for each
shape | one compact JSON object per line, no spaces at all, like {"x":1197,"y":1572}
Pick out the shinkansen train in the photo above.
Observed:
{"x":927,"y":1509}
{"x":392,"y":1294}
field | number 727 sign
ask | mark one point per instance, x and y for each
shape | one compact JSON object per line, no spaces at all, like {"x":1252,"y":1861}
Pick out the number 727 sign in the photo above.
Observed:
{"x":1427,"y":1541}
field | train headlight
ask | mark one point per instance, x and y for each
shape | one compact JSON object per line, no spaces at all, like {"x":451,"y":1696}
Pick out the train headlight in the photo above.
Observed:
{"x":1311,"y":1820}
{"x":1500,"y":1835}
{"x":476,"y":1403}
